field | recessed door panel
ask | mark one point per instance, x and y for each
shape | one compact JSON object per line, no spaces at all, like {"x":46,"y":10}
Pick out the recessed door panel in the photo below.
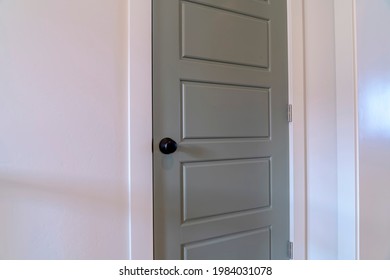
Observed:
{"x":252,"y":245}
{"x":219,"y":35}
{"x":222,"y":111}
{"x":224,"y":187}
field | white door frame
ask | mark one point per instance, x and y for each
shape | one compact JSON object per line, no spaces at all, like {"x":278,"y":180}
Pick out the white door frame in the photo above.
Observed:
{"x":347,"y":129}
{"x":140,"y":129}
{"x":296,"y":72}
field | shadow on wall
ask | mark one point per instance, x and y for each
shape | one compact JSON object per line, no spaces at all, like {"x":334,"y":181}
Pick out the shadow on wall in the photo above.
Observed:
{"x":61,"y":220}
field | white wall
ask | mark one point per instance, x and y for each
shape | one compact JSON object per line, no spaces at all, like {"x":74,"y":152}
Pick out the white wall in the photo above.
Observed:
{"x":321,"y":130}
{"x":373,"y":64}
{"x":63,"y":125}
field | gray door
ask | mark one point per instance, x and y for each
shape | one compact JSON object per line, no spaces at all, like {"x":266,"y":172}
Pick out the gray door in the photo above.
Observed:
{"x":220,"y":92}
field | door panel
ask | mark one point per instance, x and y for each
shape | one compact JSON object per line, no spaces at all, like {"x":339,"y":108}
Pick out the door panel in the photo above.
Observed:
{"x":224,"y":187}
{"x":252,"y":245}
{"x":222,"y":111}
{"x":256,"y":8}
{"x":223,"y":31}
{"x":220,"y":91}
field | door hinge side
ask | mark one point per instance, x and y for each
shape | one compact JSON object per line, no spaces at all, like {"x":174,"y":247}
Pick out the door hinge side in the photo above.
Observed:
{"x":152,"y":145}
{"x":289,"y":113}
{"x":290,"y":250}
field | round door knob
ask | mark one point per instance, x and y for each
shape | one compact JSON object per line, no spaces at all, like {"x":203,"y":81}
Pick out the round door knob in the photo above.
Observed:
{"x":168,"y":146}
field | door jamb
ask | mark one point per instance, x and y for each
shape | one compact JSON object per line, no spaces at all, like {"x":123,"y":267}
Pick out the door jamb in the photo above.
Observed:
{"x":347,"y":129}
{"x":296,"y":76}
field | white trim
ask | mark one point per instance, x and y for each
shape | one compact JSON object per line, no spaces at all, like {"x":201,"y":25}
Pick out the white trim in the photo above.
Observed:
{"x":140,"y":93}
{"x":140,"y":131}
{"x":347,"y":134}
{"x":298,"y":129}
{"x":357,"y":156}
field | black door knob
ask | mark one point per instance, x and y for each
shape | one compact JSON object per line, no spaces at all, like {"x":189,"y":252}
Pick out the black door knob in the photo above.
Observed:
{"x":167,"y":146}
